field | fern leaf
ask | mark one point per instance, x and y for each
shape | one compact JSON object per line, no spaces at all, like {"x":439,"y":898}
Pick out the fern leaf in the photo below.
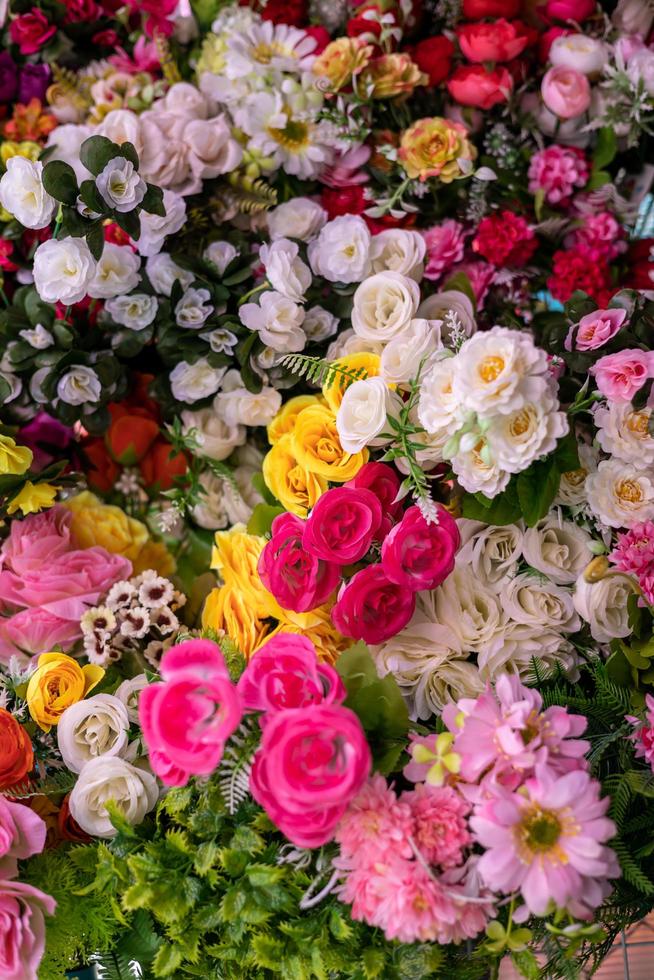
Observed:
{"x":630,"y":869}
{"x":57,"y":783}
{"x":321,"y":372}
{"x":235,"y":767}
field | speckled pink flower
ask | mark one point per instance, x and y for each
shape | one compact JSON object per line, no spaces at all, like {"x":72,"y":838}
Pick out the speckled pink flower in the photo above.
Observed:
{"x":643,"y":734}
{"x":557,"y":171}
{"x":634,"y":554}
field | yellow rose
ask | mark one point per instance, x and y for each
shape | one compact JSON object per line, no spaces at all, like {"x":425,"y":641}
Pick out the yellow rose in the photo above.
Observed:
{"x":156,"y":556}
{"x":284,"y":421}
{"x":25,"y":149}
{"x":365,"y":364}
{"x":14,"y":460}
{"x":294,"y":486}
{"x":342,"y":60}
{"x":317,"y":626}
{"x":228,"y":608}
{"x":433,"y":148}
{"x":33,"y":498}
{"x":58,"y":682}
{"x":95,"y":523}
{"x":235,"y":556}
{"x":317,"y":447}
{"x":391,"y":75}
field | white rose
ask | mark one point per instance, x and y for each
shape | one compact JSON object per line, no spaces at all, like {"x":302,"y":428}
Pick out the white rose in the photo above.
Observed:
{"x":641,"y":69}
{"x":165,"y":158}
{"x":528,"y":599}
{"x":215,"y":438}
{"x":63,"y":270}
{"x":347,"y":342}
{"x":211,"y":149}
{"x":454,"y":309}
{"x":285,"y":270}
{"x":22,"y":193}
{"x":116,"y":273}
{"x":220,"y":254}
{"x":619,"y":494}
{"x":133,"y":790}
{"x":135,"y":311}
{"x":65,"y":142}
{"x":383,"y":305}
{"x":319,"y":324}
{"x":604,"y":605}
{"x":471,"y":610}
{"x":624,"y":433}
{"x":210,"y":512}
{"x":193,"y":309}
{"x":500,"y":371}
{"x":96,"y":726}
{"x":122,"y":126}
{"x":557,"y":548}
{"x":492,"y":552}
{"x":341,"y":252}
{"x":363,"y":412}
{"x":154,"y":227}
{"x":277,"y":320}
{"x":633,"y":17}
{"x":162,"y":272}
{"x":120,"y":185}
{"x":128,"y":694}
{"x":397,"y":250}
{"x":517,"y":439}
{"x":191,"y":382}
{"x":300,"y":218}
{"x":475,"y":466}
{"x":439,"y":412}
{"x":38,"y":337}
{"x":516,"y":649}
{"x":403,"y":355}
{"x":578,"y":51}
{"x":185,"y":100}
{"x":79,"y":385}
{"x":238,"y":406}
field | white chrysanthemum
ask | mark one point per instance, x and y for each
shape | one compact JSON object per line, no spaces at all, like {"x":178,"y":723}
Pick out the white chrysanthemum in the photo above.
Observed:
{"x":263,"y":47}
{"x":619,"y":494}
{"x":517,"y":439}
{"x":623,"y":432}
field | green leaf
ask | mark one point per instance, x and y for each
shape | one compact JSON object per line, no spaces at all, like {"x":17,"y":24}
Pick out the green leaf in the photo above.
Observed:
{"x":262,"y":517}
{"x":129,"y":222}
{"x":96,"y":152}
{"x":167,"y":960}
{"x":376,"y":701}
{"x":503,"y":509}
{"x":128,"y":150}
{"x":539,"y":201}
{"x":526,"y":964}
{"x":373,"y":962}
{"x":91,"y":196}
{"x":566,"y":454}
{"x":537,"y":488}
{"x":153,"y":201}
{"x":60,"y":182}
{"x":597,"y":179}
{"x":605,"y":148}
{"x":95,"y":240}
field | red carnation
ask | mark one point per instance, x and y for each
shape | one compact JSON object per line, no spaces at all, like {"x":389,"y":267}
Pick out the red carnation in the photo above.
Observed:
{"x":505,"y":239}
{"x":580,"y":268}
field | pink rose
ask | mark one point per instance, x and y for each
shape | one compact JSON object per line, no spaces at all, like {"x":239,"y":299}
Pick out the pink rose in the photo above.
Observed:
{"x":383,"y":481}
{"x":31,"y":631}
{"x":445,"y":246}
{"x":372,"y":608}
{"x":286,"y":673}
{"x":22,"y":834}
{"x":312,"y":761}
{"x":595,"y":329}
{"x":31,"y":31}
{"x":501,"y":40}
{"x":619,"y":376}
{"x":565,"y":91}
{"x":187,"y":718}
{"x":476,"y":86}
{"x":574,"y":10}
{"x":418,"y":555}
{"x":22,"y":926}
{"x":39,"y":538}
{"x":298,"y":580}
{"x":342,"y":525}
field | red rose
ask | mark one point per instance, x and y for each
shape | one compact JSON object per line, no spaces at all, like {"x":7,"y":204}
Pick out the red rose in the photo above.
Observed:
{"x":161,"y":466}
{"x":101,"y":470}
{"x":434,"y":57}
{"x":473,"y":85}
{"x":478,"y":9}
{"x":106,"y":39}
{"x":292,"y":12}
{"x":343,"y":200}
{"x":31,"y":31}
{"x":500,"y":41}
{"x":505,"y":238}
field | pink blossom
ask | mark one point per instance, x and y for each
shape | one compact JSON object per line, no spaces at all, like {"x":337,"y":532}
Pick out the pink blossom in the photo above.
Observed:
{"x":298,"y":579}
{"x":445,"y":246}
{"x":548,"y":841}
{"x":22,"y":834}
{"x":481,"y":275}
{"x":619,"y":376}
{"x":22,"y":910}
{"x":372,"y":608}
{"x":634,"y":554}
{"x":557,"y":171}
{"x":643,"y":733}
{"x":145,"y":57}
{"x":345,"y":168}
{"x":601,"y":232}
{"x":565,"y":91}
{"x":595,"y":329}
{"x":374,"y":823}
{"x":440,"y":827}
{"x":382,"y":480}
{"x":342,"y":525}
{"x":188,"y":717}
{"x":31,"y":631}
{"x":156,"y":14}
{"x":419,"y":555}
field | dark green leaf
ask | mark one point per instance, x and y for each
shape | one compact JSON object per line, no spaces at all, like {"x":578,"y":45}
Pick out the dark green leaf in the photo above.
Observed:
{"x":537,"y":488}
{"x":129,"y":222}
{"x":153,"y":201}
{"x":60,"y":182}
{"x":95,"y":240}
{"x":262,"y":517}
{"x":96,"y":152}
{"x":91,"y":196}
{"x":605,"y":148}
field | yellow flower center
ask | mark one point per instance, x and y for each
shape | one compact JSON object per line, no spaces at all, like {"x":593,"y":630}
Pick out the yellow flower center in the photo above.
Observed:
{"x":490,"y":368}
{"x":263,"y":53}
{"x":520,"y":424}
{"x":576,"y":477}
{"x":349,"y":250}
{"x":637,"y":423}
{"x":629,"y":491}
{"x":294,"y":136}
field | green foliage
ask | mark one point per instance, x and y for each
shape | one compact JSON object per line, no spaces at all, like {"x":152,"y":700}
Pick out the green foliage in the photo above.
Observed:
{"x":320,"y":371}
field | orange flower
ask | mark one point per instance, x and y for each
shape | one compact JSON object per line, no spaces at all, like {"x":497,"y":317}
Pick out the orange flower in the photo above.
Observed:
{"x":29,"y":122}
{"x":16,"y":755}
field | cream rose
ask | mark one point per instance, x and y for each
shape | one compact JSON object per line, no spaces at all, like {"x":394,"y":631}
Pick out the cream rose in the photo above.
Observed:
{"x":451,"y":307}
{"x":116,"y":273}
{"x":341,"y":252}
{"x":383,"y":306}
{"x":557,"y":548}
{"x":128,"y":694}
{"x":136,"y":311}
{"x":623,"y":432}
{"x":285,"y":270}
{"x":319,"y":324}
{"x":277,"y":320}
{"x":585,"y":54}
{"x":132,"y":789}
{"x":620,"y":494}
{"x":492,"y":552}
{"x":96,"y":726}
{"x":363,"y":412}
{"x":22,"y":193}
{"x":528,"y":599}
{"x":238,"y":406}
{"x":220,"y":254}
{"x":79,"y":385}
{"x":604,"y":605}
{"x":403,"y":356}
{"x":163,"y":271}
{"x":500,"y":371}
{"x":63,"y":270}
{"x":516,"y":649}
{"x":155,"y":227}
{"x":520,"y":437}
{"x":300,"y":218}
{"x":397,"y":250}
{"x":471,"y":610}
{"x":214,"y":437}
{"x":191,"y":382}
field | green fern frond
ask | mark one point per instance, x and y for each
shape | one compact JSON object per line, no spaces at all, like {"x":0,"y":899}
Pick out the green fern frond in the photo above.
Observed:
{"x":116,"y":965}
{"x":57,"y":783}
{"x":235,"y":766}
{"x":321,"y":372}
{"x":630,"y":869}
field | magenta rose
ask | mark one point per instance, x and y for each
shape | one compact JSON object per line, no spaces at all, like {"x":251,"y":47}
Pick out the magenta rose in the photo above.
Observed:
{"x":22,"y":834}
{"x":619,"y":376}
{"x":382,"y":480}
{"x":565,"y":91}
{"x":298,"y":579}
{"x":286,"y":673}
{"x":573,"y":10}
{"x":31,"y":31}
{"x":342,"y":525}
{"x":312,"y":761}
{"x":188,"y":716}
{"x":418,"y":555}
{"x":22,"y":926}
{"x":595,"y":329}
{"x":372,"y":608}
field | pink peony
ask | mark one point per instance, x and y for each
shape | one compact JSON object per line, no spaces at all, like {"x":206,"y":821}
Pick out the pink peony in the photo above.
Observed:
{"x":22,"y":926}
{"x":311,"y":763}
{"x":298,"y":580}
{"x":643,"y":733}
{"x":372,"y":608}
{"x":557,"y":171}
{"x":634,"y":554}
{"x":565,"y":91}
{"x":285,"y":673}
{"x":595,"y":329}
{"x":383,"y":481}
{"x":440,"y":826}
{"x":445,"y":246}
{"x":374,"y":823}
{"x":342,"y":525}
{"x":188,"y":717}
{"x":619,"y":376}
{"x":419,"y":555}
{"x":22,"y":834}
{"x":548,"y":841}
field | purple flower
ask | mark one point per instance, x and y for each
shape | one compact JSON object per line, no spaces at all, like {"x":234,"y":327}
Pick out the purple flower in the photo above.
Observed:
{"x":8,"y":78}
{"x":33,"y":82}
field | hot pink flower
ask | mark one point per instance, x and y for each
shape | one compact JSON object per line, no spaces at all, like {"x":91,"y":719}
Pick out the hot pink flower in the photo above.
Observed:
{"x":345,"y":169}
{"x":440,"y":826}
{"x":144,"y":57}
{"x":372,"y":608}
{"x":374,"y":823}
{"x":634,"y":554}
{"x":643,"y":733}
{"x":31,"y":31}
{"x":595,"y":329}
{"x":619,"y":376}
{"x":383,"y":481}
{"x":419,"y":555}
{"x":342,"y":525}
{"x":22,"y":910}
{"x":311,"y":763}
{"x":285,"y":673}
{"x":548,"y":841}
{"x":156,"y":13}
{"x":557,"y":171}
{"x":188,"y":717}
{"x":297,"y":579}
{"x":601,"y":232}
{"x":445,"y":246}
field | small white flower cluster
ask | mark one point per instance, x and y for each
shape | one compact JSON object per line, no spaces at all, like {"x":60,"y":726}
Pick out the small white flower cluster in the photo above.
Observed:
{"x":138,"y":614}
